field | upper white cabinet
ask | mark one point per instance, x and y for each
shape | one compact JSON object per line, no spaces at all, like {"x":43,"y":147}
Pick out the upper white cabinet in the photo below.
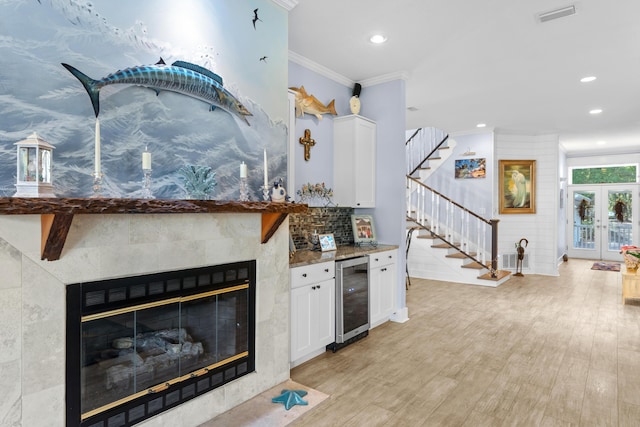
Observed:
{"x":354,"y":162}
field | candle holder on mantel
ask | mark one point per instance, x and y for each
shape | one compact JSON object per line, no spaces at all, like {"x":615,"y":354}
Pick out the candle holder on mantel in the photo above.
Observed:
{"x":97,"y":185}
{"x":34,"y":158}
{"x":265,"y":193}
{"x":244,"y":190}
{"x":146,"y":175}
{"x":146,"y":184}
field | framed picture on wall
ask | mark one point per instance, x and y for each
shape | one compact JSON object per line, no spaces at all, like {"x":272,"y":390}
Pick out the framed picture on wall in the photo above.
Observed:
{"x":470,"y":168}
{"x":363,"y":229}
{"x":517,"y":186}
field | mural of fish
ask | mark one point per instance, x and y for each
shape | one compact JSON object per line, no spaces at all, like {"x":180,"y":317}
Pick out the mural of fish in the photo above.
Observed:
{"x":306,"y":103}
{"x":180,"y":77}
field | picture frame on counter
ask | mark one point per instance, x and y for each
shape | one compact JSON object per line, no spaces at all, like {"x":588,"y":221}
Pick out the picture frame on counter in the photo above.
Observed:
{"x":327,"y":242}
{"x":364,"y":231}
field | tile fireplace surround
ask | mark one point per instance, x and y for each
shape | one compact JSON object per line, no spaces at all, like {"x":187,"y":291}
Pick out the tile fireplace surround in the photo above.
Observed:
{"x":32,"y":300}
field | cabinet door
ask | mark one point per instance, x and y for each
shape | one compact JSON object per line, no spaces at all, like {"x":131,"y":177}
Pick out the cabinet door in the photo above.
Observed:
{"x":388,"y":286}
{"x":326,"y":316}
{"x":365,"y":164}
{"x":383,"y":284}
{"x":302,"y":307}
{"x":354,"y":162}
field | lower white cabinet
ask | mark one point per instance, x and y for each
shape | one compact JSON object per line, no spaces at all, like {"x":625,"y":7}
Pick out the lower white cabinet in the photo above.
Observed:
{"x":383,"y":284}
{"x":312,"y":310}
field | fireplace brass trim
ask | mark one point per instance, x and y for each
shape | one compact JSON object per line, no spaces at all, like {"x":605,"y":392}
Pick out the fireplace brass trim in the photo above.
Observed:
{"x":167,"y":301}
{"x":163,"y":386}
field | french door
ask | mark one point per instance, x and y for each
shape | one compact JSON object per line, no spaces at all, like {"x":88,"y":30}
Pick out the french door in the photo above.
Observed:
{"x":603,"y":218}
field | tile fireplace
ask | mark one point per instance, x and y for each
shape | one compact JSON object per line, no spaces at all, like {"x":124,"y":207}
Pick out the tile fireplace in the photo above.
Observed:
{"x":106,"y":247}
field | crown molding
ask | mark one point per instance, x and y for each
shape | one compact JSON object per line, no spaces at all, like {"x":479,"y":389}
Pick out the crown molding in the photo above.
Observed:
{"x":400,"y":75}
{"x":320,"y":69}
{"x":330,"y":74}
{"x":286,"y":4}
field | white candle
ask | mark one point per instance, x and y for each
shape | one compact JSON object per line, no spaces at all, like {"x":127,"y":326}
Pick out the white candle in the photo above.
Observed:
{"x":97,"y":149}
{"x":146,"y":159}
{"x":243,"y":170}
{"x":266,"y":177}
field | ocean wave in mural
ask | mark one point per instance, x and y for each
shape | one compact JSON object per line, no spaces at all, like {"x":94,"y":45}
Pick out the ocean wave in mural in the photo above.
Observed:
{"x":38,"y":94}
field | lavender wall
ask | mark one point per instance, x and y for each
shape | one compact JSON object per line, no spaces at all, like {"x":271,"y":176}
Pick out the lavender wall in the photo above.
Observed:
{"x":385,"y":104}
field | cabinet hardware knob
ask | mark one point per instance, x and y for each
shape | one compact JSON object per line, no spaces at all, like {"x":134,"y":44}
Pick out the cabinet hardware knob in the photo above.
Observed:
{"x":318,"y":286}
{"x":313,"y":287}
{"x":304,"y":274}
{"x":326,"y":270}
{"x":390,"y":256}
{"x":376,"y":259}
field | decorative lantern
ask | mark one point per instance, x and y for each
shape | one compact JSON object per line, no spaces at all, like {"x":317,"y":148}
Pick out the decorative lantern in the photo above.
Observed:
{"x":34,"y":167}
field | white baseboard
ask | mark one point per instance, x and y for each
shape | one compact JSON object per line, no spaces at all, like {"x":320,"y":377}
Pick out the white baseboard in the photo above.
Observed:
{"x":400,"y":316}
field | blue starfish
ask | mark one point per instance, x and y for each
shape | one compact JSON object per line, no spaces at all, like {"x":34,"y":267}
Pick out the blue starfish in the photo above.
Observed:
{"x":290,"y":398}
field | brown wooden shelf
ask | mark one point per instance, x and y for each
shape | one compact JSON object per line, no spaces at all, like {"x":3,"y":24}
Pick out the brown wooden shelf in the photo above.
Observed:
{"x":57,"y":213}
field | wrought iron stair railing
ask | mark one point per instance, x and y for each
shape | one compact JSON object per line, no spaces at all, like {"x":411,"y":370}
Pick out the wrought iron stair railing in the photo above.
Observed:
{"x":420,"y":148}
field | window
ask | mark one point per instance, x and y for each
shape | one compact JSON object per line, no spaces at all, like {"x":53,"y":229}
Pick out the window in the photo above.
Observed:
{"x":623,"y":174}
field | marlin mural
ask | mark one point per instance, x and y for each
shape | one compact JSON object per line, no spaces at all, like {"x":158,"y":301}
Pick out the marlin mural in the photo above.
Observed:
{"x":180,"y":77}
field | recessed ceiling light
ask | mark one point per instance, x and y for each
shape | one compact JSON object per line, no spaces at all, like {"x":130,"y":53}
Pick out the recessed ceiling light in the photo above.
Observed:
{"x":587,"y":79}
{"x":595,"y":111}
{"x":481,"y":125}
{"x":601,"y":142}
{"x":377,"y":39}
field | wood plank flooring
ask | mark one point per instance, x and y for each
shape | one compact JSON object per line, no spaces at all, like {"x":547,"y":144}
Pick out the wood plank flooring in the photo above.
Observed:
{"x":536,"y":351}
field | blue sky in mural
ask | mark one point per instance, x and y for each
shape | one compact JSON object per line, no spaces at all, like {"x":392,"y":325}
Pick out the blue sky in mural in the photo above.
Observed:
{"x":101,"y":37}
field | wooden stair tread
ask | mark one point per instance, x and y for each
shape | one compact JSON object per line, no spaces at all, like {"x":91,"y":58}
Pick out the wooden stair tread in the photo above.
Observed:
{"x":500,"y":274}
{"x":443,"y":246}
{"x":475,"y":266}
{"x":426,"y":236}
{"x":459,"y":255}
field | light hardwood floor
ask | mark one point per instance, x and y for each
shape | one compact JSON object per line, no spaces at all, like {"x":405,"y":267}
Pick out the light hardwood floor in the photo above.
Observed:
{"x":536,"y":351}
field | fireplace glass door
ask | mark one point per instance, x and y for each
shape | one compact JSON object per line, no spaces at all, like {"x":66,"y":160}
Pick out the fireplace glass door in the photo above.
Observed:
{"x":148,"y":348}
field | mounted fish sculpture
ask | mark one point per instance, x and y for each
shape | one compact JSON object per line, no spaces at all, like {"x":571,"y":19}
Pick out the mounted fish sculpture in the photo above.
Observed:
{"x":180,"y":77}
{"x":306,"y":103}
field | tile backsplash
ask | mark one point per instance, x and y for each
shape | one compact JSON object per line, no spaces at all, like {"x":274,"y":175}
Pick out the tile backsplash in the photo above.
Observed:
{"x":322,"y":220}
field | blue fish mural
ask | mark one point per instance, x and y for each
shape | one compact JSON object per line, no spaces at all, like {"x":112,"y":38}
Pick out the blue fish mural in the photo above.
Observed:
{"x":180,"y":77}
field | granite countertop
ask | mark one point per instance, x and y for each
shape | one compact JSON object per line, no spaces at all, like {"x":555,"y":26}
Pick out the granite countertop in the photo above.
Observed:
{"x":306,"y":257}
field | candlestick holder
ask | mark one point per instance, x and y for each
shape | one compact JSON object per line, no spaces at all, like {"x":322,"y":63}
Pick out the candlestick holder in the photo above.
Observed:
{"x":244,"y":190}
{"x":146,"y":184}
{"x":97,"y":185}
{"x":265,"y":193}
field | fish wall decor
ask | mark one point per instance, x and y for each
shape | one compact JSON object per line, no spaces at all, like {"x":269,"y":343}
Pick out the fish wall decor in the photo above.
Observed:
{"x":306,"y":103}
{"x":180,"y":77}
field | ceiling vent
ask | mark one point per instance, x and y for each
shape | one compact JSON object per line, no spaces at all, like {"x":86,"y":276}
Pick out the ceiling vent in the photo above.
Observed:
{"x":558,"y":13}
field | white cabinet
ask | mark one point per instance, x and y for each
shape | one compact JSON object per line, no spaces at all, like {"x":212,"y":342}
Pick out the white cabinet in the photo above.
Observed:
{"x":312,"y":310}
{"x":383,"y":283}
{"x":354,"y":162}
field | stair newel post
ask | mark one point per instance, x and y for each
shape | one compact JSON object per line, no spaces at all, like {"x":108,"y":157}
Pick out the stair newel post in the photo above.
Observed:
{"x":494,"y":247}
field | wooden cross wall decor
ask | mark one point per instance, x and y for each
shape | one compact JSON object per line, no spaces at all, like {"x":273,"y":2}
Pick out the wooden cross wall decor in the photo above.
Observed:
{"x":308,"y":143}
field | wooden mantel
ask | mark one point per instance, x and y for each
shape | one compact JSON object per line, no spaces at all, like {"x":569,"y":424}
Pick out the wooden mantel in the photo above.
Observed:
{"x":57,"y":213}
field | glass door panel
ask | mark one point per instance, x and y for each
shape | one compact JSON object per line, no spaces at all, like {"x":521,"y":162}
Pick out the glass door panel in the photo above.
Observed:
{"x":602,"y":221}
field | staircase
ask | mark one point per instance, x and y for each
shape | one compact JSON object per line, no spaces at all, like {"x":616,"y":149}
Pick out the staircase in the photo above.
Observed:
{"x":449,"y":241}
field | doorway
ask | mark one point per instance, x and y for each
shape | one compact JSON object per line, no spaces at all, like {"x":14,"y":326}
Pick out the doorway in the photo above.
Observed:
{"x":602,"y":220}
